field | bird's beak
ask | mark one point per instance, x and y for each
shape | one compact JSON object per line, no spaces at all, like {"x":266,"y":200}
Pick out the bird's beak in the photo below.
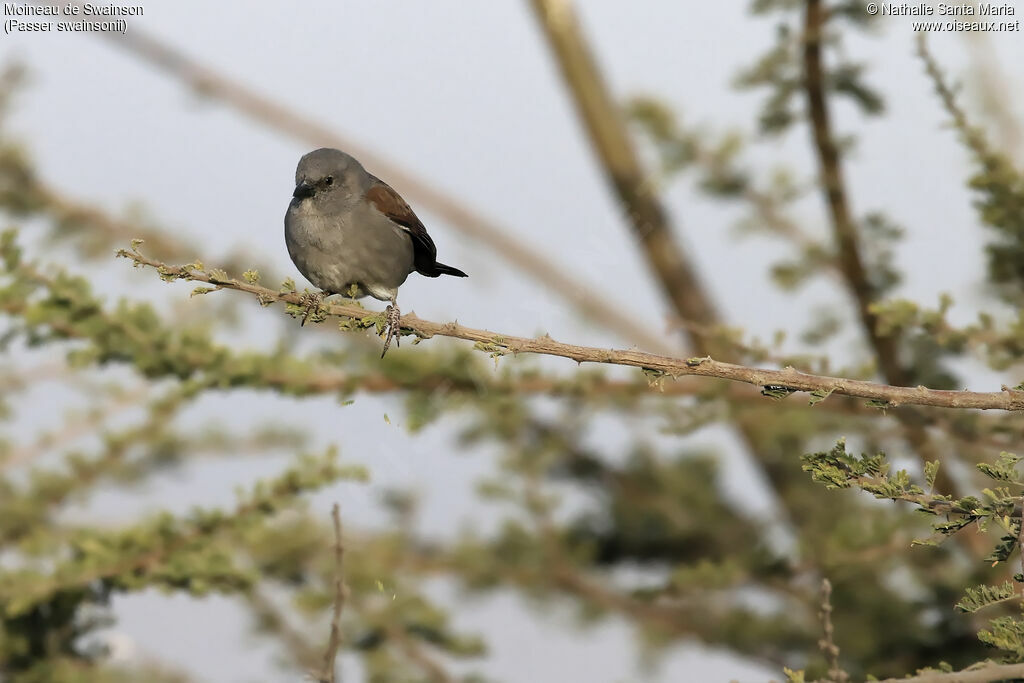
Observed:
{"x":303,"y":189}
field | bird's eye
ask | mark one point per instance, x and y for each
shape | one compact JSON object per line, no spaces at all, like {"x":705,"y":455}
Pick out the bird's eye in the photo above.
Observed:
{"x":329,"y":180}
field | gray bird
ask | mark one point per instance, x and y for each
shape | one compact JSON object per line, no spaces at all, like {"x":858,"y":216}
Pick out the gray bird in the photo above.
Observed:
{"x":347,"y":231}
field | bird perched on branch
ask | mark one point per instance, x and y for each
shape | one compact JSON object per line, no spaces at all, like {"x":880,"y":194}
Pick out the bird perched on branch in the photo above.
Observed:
{"x":349,"y":233}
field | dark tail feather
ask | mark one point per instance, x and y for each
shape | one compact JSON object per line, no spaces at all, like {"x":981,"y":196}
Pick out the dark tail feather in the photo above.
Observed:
{"x":442,"y":269}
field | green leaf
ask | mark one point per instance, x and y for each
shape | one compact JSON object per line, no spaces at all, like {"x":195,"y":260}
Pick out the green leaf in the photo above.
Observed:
{"x":1007,"y":634}
{"x":819,"y":395}
{"x":980,"y":597}
{"x":931,"y":471}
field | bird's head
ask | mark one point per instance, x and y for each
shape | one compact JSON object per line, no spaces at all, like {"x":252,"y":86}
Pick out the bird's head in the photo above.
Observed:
{"x":329,"y":177}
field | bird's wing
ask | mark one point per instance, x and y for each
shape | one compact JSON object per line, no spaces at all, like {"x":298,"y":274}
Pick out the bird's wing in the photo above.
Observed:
{"x":389,"y":203}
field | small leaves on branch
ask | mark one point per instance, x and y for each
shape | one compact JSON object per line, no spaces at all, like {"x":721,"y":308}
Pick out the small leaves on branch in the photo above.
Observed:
{"x":998,"y":508}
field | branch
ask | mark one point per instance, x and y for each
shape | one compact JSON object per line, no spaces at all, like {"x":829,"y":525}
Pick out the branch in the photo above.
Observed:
{"x":1020,"y":536}
{"x":984,"y":674}
{"x":142,"y":560}
{"x":851,"y":263}
{"x":313,"y":376}
{"x":269,"y":112}
{"x":827,"y":644}
{"x":608,"y":134}
{"x":648,"y":220}
{"x":340,"y":590}
{"x":355,"y":316}
{"x":974,"y":139}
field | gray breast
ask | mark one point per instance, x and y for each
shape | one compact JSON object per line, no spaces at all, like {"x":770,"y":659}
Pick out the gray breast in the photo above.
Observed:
{"x":335,"y":251}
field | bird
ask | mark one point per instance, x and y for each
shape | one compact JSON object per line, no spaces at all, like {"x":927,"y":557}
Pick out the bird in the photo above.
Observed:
{"x":348,"y":232}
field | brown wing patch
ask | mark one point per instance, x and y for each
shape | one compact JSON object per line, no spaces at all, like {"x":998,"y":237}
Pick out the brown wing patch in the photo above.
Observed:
{"x":391,"y":204}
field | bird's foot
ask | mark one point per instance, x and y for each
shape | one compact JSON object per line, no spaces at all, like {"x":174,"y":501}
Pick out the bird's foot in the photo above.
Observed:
{"x":312,"y":301}
{"x":393,"y":318}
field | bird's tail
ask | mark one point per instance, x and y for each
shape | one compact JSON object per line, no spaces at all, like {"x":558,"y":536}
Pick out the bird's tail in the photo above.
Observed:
{"x":442,"y":269}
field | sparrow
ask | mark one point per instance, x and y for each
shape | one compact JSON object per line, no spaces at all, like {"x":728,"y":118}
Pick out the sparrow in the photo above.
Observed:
{"x":348,"y":232}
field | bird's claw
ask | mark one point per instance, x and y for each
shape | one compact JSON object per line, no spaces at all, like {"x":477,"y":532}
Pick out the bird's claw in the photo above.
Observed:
{"x":394,"y":325}
{"x":312,"y":303}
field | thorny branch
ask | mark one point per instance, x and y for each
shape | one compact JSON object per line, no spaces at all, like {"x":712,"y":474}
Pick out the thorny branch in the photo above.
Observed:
{"x":787,"y":380}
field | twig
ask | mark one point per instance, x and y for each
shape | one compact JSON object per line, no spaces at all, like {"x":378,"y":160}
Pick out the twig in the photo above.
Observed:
{"x":502,"y":344}
{"x":972,"y":137}
{"x":827,"y":644}
{"x":340,"y":590}
{"x":987,"y":673}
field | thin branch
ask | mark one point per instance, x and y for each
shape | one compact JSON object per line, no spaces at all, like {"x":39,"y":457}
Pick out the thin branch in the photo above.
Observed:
{"x":321,"y":379}
{"x":827,"y":644}
{"x":501,"y":344}
{"x":500,"y":238}
{"x":972,"y":137}
{"x":1020,"y":537}
{"x":850,"y":261}
{"x":340,"y":590}
{"x":986,"y":673}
